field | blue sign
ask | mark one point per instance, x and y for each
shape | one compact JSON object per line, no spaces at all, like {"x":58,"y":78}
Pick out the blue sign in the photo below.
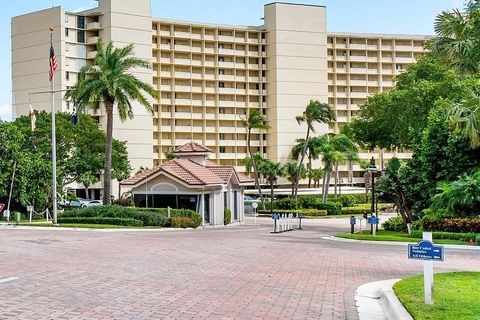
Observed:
{"x":373,"y":220}
{"x":425,"y":250}
{"x":353,"y":220}
{"x":275,"y":216}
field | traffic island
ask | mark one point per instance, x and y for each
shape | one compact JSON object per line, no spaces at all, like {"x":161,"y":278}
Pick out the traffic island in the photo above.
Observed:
{"x":456,"y":296}
{"x":383,"y":235}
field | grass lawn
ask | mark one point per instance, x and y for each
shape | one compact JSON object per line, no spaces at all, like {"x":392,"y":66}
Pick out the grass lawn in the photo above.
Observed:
{"x":456,"y":296}
{"x":383,"y":235}
{"x":84,"y":225}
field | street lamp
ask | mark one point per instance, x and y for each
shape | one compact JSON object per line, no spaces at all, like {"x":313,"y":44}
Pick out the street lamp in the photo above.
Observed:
{"x":373,"y":169}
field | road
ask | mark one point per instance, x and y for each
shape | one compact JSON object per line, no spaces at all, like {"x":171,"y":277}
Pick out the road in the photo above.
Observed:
{"x":240,"y":272}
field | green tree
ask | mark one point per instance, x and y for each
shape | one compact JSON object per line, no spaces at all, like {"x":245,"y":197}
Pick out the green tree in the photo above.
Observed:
{"x":255,"y":120}
{"x":87,"y":179}
{"x":315,"y":113}
{"x":316,"y":175}
{"x":291,"y":172}
{"x":80,"y":152}
{"x":312,"y":152}
{"x":109,"y":81}
{"x":271,"y":171}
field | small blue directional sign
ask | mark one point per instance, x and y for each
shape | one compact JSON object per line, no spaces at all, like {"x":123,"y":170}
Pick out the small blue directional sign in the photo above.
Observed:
{"x":353,"y":220}
{"x":373,"y":220}
{"x":425,"y":250}
{"x":275,"y":216}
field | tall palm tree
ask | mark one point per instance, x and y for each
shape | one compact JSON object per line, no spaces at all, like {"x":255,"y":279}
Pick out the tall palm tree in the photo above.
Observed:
{"x":312,"y":153}
{"x":315,"y":112}
{"x":109,"y":81}
{"x":271,"y":171}
{"x":458,"y":39}
{"x":255,"y":120}
{"x":465,"y":117}
{"x":316,"y":175}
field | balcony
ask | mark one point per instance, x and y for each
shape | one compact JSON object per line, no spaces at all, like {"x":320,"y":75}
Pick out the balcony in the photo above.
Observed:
{"x":358,"y":70}
{"x":166,"y":74}
{"x":226,"y":38}
{"x":165,"y":33}
{"x":183,"y":102}
{"x":226,"y":90}
{"x":182,"y":88}
{"x":357,"y":94}
{"x":360,"y":46}
{"x":226,"y":77}
{"x":358,"y":82}
{"x":226,"y":51}
{"x":93,"y":26}
{"x":223,"y":64}
{"x":404,"y":60}
{"x":182,"y":34}
{"x":403,"y":48}
{"x":182,"y":61}
{"x":165,"y":46}
{"x":92,"y":40}
{"x":196,"y":49}
{"x":91,"y":54}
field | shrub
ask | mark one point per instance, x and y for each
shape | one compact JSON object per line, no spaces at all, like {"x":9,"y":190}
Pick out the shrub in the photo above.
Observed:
{"x":182,"y":222}
{"x":395,"y":224}
{"x":349,"y":200}
{"x":227,"y":216}
{"x":102,"y":220}
{"x":287,"y":204}
{"x":333,"y":208}
{"x":195,"y":216}
{"x":309,"y":201}
{"x":305,"y":212}
{"x":147,"y":217}
{"x":467,"y":237}
{"x":452,"y":225}
{"x":477,"y":239}
{"x":356,"y":210}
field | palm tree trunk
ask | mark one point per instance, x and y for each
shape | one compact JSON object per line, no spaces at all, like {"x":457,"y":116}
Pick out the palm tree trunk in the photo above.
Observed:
{"x":255,"y":170}
{"x":323,"y":184}
{"x":87,"y":196}
{"x":271,"y":196}
{"x":350,"y":172}
{"x":107,"y":170}
{"x":327,"y":184}
{"x":336,"y":179}
{"x":309,"y":168}
{"x":299,"y":169}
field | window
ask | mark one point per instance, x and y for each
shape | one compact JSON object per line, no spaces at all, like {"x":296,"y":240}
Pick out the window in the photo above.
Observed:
{"x":221,"y":110}
{"x":220,"y":45}
{"x":221,"y":84}
{"x":222,"y":149}
{"x":80,"y":22}
{"x":80,"y":36}
{"x":399,"y":67}
{"x":222,"y":136}
{"x":221,"y":71}
{"x":221,"y":59}
{"x":67,"y":75}
{"x":66,"y":18}
{"x":66,"y":32}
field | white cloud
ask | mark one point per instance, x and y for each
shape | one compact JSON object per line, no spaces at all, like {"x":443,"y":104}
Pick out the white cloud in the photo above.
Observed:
{"x":6,"y":112}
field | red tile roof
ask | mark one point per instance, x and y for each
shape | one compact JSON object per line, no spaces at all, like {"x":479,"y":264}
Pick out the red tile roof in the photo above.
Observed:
{"x":191,"y":147}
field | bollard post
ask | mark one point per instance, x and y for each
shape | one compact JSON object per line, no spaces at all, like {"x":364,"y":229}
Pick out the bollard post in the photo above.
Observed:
{"x":300,"y":222}
{"x":169,"y":210}
{"x":352,"y":224}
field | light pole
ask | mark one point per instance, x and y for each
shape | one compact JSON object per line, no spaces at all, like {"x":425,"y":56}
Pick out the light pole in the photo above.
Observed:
{"x":373,"y":169}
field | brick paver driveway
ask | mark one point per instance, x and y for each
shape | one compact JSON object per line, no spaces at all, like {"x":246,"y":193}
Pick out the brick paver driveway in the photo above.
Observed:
{"x":235,"y":273}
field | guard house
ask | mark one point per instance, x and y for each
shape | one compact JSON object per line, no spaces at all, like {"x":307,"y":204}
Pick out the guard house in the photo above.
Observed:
{"x":191,"y":181}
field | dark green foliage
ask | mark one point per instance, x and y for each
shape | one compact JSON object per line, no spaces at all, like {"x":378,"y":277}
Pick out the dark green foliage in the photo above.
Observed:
{"x":227,"y":216}
{"x":287,"y":203}
{"x":453,"y":225}
{"x":195,"y":216}
{"x":350,"y":200}
{"x":333,"y":208}
{"x":308,"y":202}
{"x":467,"y":237}
{"x":477,"y":239}
{"x":305,"y":212}
{"x":182,"y":222}
{"x":395,"y":224}
{"x":357,"y":210}
{"x":147,"y":217}
{"x":102,"y":220}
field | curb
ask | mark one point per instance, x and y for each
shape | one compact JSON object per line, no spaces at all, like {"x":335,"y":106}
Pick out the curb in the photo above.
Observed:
{"x":377,"y":301}
{"x":405,"y":244}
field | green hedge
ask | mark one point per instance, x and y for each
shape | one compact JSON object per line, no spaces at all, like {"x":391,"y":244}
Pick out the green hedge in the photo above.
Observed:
{"x":102,"y":220}
{"x":148,"y":218}
{"x":195,"y":216}
{"x":462,"y":225}
{"x":305,"y":212}
{"x":182,"y":222}
{"x":467,"y":237}
{"x":350,"y":200}
{"x":227,"y":216}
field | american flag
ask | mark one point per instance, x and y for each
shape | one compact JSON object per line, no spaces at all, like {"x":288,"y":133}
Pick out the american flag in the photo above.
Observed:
{"x":52,"y":62}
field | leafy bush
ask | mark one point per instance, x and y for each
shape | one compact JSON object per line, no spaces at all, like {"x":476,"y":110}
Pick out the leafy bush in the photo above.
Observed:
{"x":227,"y":216}
{"x":349,"y":200}
{"x":452,"y":225}
{"x":477,"y":239}
{"x":356,"y":210}
{"x":147,"y":217}
{"x":305,"y":212}
{"x":182,"y":222}
{"x":309,"y":201}
{"x":287,"y":204}
{"x":395,"y":224}
{"x":195,"y":216}
{"x":102,"y":220}
{"x":467,"y":237}
{"x":333,"y":208}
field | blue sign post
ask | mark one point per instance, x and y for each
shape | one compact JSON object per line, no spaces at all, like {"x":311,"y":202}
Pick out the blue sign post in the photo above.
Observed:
{"x":427,"y":251}
{"x":373,"y":221}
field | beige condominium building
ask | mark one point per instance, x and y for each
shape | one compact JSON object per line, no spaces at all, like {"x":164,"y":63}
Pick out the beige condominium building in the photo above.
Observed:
{"x":208,"y":76}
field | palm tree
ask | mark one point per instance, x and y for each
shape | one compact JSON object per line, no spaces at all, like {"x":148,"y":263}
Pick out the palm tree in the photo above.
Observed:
{"x":458,"y":40}
{"x":312,"y":151}
{"x":465,"y":117}
{"x":109,"y":80}
{"x":291,"y":172}
{"x":271,"y":171}
{"x":316,"y":176}
{"x":315,"y":112}
{"x":334,"y":149}
{"x":255,"y":120}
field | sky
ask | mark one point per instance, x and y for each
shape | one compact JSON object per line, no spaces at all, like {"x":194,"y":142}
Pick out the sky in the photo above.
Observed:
{"x":374,"y":16}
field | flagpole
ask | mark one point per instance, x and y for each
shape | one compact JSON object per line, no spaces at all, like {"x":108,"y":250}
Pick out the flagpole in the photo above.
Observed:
{"x":54,"y":143}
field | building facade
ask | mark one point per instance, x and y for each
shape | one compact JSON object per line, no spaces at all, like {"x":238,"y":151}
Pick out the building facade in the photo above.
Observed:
{"x":208,"y":76}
